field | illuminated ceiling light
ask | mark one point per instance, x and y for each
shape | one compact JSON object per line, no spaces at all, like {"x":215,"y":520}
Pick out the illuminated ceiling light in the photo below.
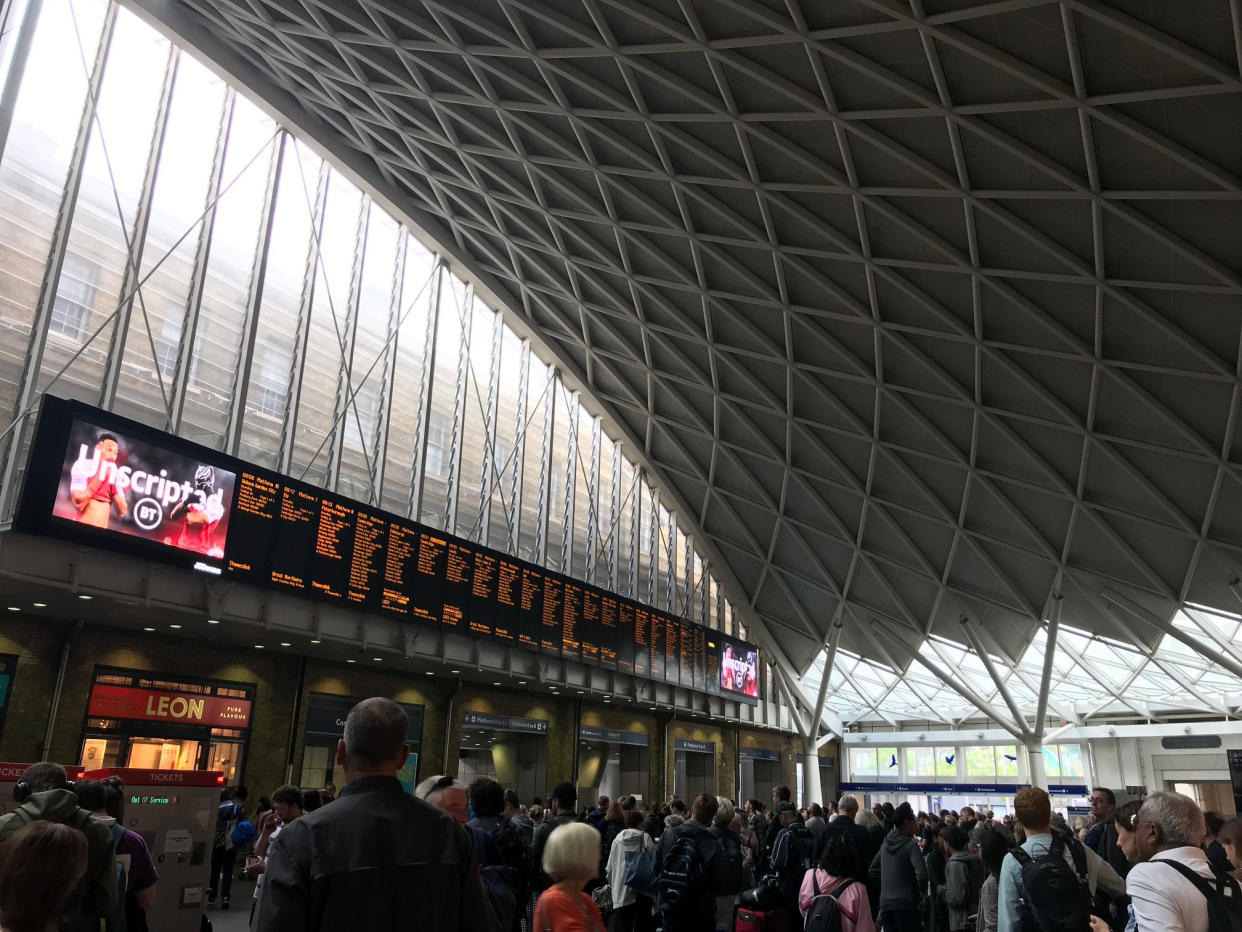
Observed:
{"x":14,"y":608}
{"x":495,"y":684}
{"x":285,"y":644}
{"x":377,"y":659}
{"x":258,"y":647}
{"x":316,"y":641}
{"x":454,"y":671}
{"x":213,"y":621}
{"x":86,"y":598}
{"x":148,"y":629}
{"x":431,"y":672}
{"x":521,"y":682}
{"x":40,"y":605}
{"x":351,"y":660}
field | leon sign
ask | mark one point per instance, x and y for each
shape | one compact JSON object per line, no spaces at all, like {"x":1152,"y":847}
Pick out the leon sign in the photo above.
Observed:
{"x":159,"y":706}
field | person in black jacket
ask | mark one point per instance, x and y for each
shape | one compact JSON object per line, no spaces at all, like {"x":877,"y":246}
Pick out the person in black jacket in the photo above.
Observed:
{"x":845,"y":826}
{"x":376,"y":859}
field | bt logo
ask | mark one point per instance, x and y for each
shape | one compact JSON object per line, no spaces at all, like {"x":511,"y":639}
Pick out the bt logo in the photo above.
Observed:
{"x":148,"y":514}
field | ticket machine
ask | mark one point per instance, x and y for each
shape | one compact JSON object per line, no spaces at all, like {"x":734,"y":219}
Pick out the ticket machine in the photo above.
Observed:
{"x":175,"y":813}
{"x":10,"y":773}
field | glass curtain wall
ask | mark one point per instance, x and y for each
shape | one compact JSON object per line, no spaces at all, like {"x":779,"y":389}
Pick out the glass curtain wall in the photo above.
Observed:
{"x":168,"y":251}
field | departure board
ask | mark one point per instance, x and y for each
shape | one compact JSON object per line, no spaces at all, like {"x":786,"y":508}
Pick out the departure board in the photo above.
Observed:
{"x":198,"y":508}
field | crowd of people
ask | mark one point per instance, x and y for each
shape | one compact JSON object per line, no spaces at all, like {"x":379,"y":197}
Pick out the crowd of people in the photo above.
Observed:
{"x":476,"y":858}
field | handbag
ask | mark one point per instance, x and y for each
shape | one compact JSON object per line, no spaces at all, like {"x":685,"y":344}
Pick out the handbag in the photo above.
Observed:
{"x":640,"y":874}
{"x":602,"y":895}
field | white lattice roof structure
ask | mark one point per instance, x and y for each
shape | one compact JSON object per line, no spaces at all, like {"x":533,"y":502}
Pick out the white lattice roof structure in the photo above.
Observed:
{"x":922,"y":311}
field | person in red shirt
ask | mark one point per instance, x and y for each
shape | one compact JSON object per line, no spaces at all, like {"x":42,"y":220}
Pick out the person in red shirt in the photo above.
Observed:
{"x":92,"y":484}
{"x":571,"y":859}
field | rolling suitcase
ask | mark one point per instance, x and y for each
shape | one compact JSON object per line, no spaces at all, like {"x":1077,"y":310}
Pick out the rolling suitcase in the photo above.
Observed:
{"x":746,"y":919}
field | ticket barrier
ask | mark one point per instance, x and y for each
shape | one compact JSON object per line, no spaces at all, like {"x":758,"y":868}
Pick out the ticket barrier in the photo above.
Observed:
{"x":175,"y":813}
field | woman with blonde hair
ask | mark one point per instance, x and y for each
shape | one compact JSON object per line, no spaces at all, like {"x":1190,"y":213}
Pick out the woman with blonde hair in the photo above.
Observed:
{"x":571,"y":859}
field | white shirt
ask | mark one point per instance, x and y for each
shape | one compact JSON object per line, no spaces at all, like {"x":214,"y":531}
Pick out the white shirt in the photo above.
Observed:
{"x":1164,"y":900}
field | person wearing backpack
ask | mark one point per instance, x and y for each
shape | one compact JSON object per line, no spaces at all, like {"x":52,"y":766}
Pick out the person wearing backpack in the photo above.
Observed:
{"x":1049,"y":883}
{"x":46,"y":795}
{"x":223,"y":854}
{"x":902,"y":874}
{"x":631,"y":910}
{"x":793,"y":853}
{"x":1174,"y":888}
{"x":964,"y":875}
{"x":685,"y":859}
{"x":730,"y":874}
{"x":831,"y":898}
{"x":135,"y":868}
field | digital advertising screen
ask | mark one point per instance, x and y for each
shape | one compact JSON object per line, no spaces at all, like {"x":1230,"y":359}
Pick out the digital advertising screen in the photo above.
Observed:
{"x":739,"y":669}
{"x":114,"y":482}
{"x":102,"y":480}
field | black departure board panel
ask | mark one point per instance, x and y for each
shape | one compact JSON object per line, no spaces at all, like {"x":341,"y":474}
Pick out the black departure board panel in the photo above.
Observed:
{"x":104,"y":480}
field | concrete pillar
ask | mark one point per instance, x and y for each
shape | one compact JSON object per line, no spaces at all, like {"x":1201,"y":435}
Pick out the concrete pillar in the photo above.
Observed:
{"x":812,"y":791}
{"x":1036,"y":771}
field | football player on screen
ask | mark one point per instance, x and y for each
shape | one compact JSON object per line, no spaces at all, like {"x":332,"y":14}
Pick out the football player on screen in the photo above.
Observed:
{"x":202,"y":510}
{"x":92,"y":483}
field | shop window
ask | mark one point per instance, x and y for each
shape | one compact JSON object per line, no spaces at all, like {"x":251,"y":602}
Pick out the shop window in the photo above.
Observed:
{"x":992,"y":761}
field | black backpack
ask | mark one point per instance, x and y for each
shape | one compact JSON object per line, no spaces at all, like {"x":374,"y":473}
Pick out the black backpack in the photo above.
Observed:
{"x":728,"y":874}
{"x":800,"y":856}
{"x":680,"y":873}
{"x":1055,"y":896}
{"x":1224,"y":898}
{"x":824,"y":913}
{"x":514,"y":851}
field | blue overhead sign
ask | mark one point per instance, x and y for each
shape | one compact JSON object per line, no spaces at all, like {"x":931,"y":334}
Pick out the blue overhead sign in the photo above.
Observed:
{"x":614,"y":736}
{"x":699,"y":747}
{"x":530,"y":726}
{"x":758,"y":754}
{"x":959,"y":789}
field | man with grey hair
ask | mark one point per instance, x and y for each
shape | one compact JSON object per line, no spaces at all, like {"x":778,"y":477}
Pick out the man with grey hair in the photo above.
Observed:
{"x":846,"y":826}
{"x":376,"y":859}
{"x":1166,"y":886}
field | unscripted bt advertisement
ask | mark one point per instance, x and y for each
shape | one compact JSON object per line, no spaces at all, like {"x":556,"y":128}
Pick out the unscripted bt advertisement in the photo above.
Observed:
{"x":737,"y":670}
{"x":128,"y":486}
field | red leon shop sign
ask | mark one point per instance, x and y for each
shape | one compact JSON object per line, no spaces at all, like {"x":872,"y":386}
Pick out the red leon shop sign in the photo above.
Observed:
{"x":153,"y":705}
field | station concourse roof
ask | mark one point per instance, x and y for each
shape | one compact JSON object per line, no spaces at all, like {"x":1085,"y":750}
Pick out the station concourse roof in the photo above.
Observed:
{"x":928,"y":313}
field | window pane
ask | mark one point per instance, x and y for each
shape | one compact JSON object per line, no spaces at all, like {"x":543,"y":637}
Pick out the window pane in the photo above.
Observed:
{"x":226,"y":289}
{"x":583,"y":504}
{"x":479,"y":329}
{"x":178,"y":202}
{"x":418,"y":285}
{"x":443,"y":399}
{"x":887,"y":760}
{"x":921,"y":762}
{"x":606,"y":537}
{"x":558,"y":475}
{"x":267,"y":398}
{"x":538,"y":391}
{"x":946,"y":762}
{"x":1007,"y":761}
{"x":980,"y":762}
{"x":1051,"y":764}
{"x":625,"y":527}
{"x":506,"y":463}
{"x":863,"y":762}
{"x":323,"y":370}
{"x":90,"y":284}
{"x":1071,"y":760}
{"x":370,"y":357}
